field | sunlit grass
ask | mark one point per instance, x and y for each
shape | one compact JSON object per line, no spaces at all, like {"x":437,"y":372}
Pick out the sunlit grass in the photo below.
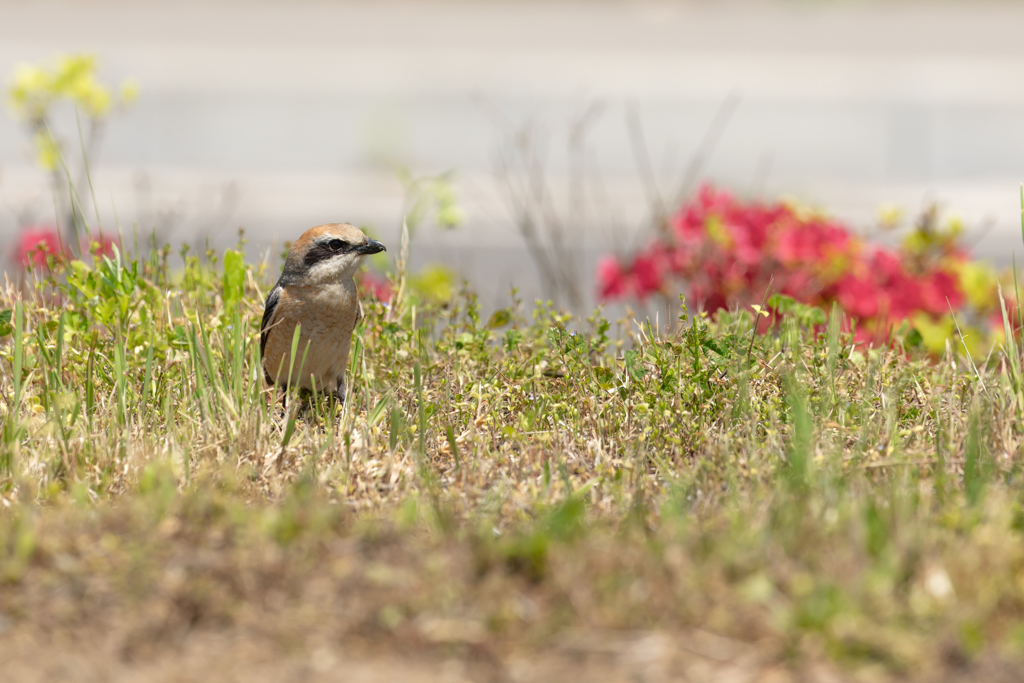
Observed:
{"x":511,"y":479}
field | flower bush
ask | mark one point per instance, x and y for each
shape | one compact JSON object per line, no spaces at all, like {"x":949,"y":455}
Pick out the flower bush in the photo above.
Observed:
{"x":724,"y":252}
{"x":38,"y":246}
{"x":36,"y":243}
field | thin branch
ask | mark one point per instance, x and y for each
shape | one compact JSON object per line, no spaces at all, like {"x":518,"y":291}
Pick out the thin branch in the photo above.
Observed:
{"x":659,"y":211}
{"x":707,"y":147}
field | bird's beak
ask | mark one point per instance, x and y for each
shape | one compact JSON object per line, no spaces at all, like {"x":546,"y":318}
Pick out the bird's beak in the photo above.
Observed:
{"x":370,"y":247}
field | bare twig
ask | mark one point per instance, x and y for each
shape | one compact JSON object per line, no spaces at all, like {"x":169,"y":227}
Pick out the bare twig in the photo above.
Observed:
{"x":706,"y":148}
{"x":521,"y":171}
{"x":659,"y":211}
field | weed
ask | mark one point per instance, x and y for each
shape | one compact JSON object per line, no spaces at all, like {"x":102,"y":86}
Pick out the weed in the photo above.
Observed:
{"x":788,"y":487}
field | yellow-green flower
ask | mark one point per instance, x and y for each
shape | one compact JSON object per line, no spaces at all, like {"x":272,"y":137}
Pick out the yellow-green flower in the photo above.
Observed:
{"x":978,"y":282}
{"x":934,"y":333}
{"x":31,"y":92}
{"x":47,"y":150}
{"x":129,"y":91}
{"x":35,"y":88}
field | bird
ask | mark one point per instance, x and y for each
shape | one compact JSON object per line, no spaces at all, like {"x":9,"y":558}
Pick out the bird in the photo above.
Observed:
{"x":316,"y":292}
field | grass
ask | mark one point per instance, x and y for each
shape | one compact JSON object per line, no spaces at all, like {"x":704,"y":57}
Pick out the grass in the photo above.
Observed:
{"x":522,"y":494}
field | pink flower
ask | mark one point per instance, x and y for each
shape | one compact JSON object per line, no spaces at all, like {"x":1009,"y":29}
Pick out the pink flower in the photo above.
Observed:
{"x":691,"y":221}
{"x":811,"y":244}
{"x":940,"y":292}
{"x":646,"y":275}
{"x":376,"y":285}
{"x":860,"y":297}
{"x":796,"y":284}
{"x":723,"y":252}
{"x":36,"y":242}
{"x":612,"y":282}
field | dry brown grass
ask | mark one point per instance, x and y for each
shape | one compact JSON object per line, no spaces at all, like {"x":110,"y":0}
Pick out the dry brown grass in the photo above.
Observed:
{"x":498,"y":499}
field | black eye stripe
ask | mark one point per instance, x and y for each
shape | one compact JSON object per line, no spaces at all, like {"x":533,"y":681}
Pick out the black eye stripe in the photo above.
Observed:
{"x":325,"y":250}
{"x":317,"y":253}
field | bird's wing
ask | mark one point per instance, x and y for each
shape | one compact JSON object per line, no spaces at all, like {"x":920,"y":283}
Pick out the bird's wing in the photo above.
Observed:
{"x":268,"y":316}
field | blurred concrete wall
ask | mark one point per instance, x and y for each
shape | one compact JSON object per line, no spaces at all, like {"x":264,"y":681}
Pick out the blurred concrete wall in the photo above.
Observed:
{"x":277,"y":116}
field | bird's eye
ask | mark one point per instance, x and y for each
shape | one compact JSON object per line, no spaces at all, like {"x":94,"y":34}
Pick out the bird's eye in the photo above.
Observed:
{"x":336,"y":245}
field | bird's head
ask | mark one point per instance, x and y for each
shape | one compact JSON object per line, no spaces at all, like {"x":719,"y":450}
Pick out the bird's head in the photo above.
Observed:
{"x":327,"y":254}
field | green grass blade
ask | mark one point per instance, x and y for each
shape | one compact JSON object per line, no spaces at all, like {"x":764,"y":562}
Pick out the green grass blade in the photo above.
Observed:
{"x":1022,"y":211}
{"x":1010,"y":345}
{"x":289,"y":429}
{"x":19,"y":351}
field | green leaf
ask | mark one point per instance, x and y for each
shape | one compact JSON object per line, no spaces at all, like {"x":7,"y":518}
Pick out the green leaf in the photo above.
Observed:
{"x":713,"y":345}
{"x":234,"y":277}
{"x":555,"y":337}
{"x":605,"y":378}
{"x":567,"y":519}
{"x":634,"y":366}
{"x":815,"y":316}
{"x":575,"y":343}
{"x":976,"y":466}
{"x":5,"y":322}
{"x":499,"y":318}
{"x":782,"y":303}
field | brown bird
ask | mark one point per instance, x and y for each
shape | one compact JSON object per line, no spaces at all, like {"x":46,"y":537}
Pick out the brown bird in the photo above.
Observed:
{"x":316,"y":291}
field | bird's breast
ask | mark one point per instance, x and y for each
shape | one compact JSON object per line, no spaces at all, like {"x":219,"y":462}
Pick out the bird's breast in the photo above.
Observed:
{"x":326,"y":316}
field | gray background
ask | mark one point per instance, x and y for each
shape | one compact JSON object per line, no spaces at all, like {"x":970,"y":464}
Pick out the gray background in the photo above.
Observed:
{"x":278,"y":116}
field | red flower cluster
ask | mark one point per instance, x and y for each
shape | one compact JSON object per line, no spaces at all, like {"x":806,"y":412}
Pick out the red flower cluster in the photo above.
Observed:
{"x":37,"y":242}
{"x":375,"y":284}
{"x":724,"y":253}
